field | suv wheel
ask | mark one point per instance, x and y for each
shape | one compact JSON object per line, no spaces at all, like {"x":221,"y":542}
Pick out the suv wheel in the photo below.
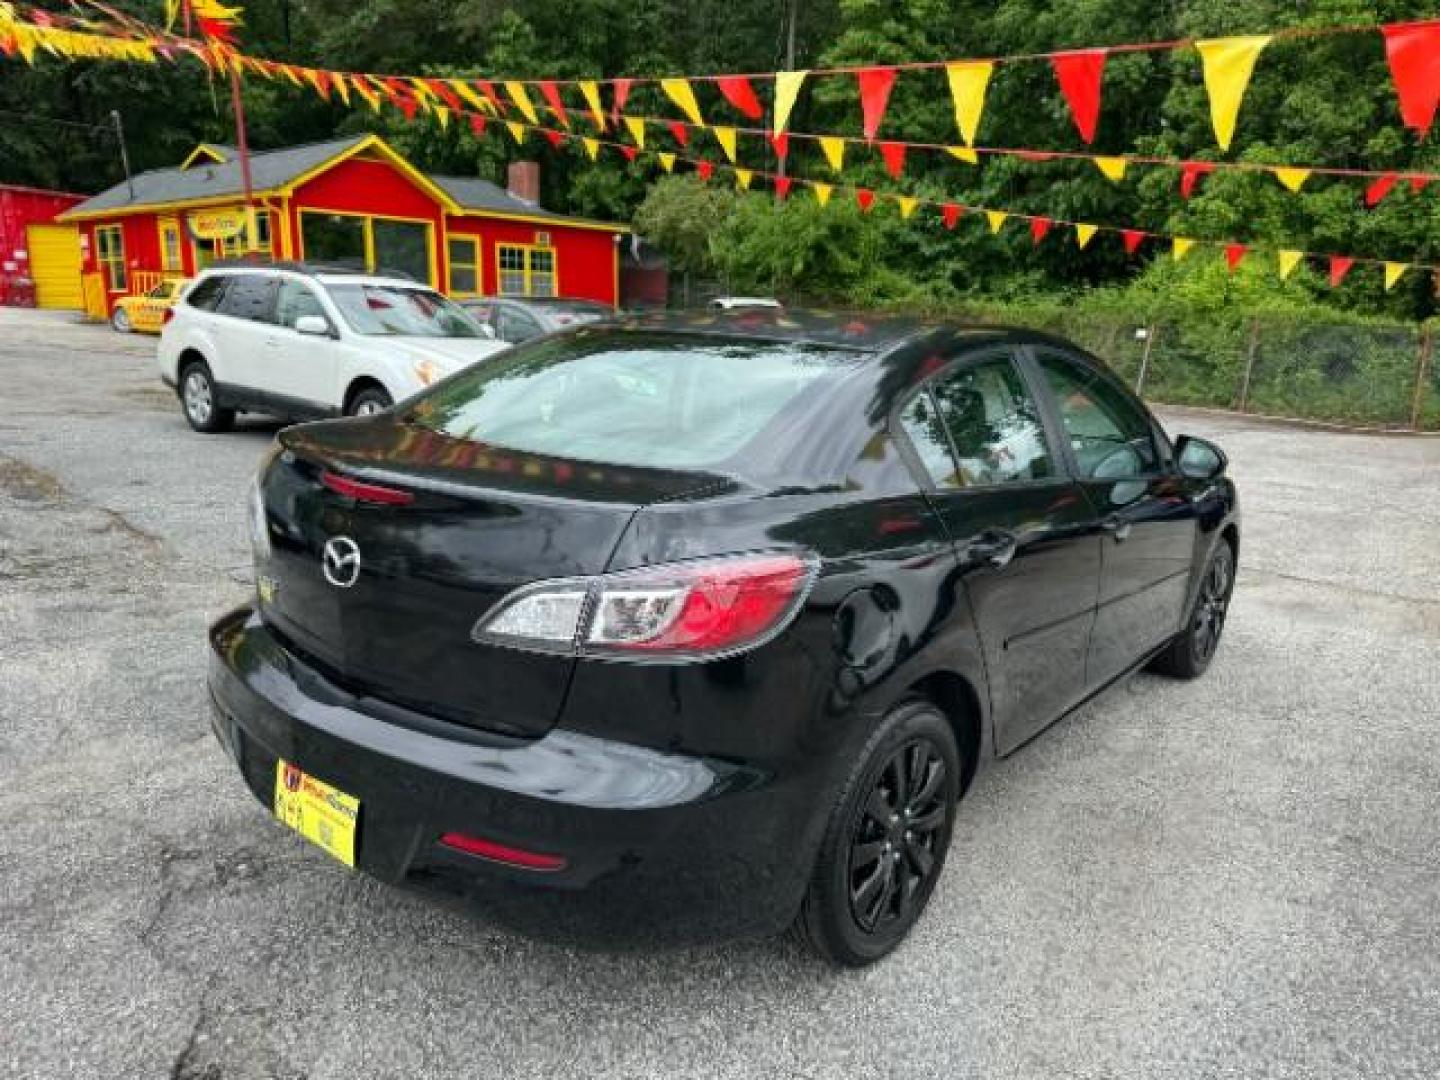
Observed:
{"x":370,"y":401}
{"x":885,"y":844}
{"x":120,"y":321}
{"x":198,"y":401}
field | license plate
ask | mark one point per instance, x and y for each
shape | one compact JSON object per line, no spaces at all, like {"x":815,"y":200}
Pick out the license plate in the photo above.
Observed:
{"x":323,"y":814}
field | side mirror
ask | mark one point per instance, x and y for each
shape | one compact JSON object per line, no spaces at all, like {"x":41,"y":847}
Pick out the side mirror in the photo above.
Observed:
{"x":317,"y":325}
{"x":1199,"y":458}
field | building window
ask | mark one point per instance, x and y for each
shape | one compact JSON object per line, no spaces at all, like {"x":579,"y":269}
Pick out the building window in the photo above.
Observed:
{"x":464,"y":258}
{"x":170,"y":246}
{"x":110,"y":254}
{"x":375,"y":245}
{"x":526,"y":271}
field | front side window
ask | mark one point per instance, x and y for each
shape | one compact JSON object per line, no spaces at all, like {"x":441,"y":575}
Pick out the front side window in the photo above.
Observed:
{"x":526,"y":271}
{"x":295,"y":302}
{"x":383,"y":310}
{"x":1110,"y":434}
{"x":110,"y":253}
{"x":250,"y":296}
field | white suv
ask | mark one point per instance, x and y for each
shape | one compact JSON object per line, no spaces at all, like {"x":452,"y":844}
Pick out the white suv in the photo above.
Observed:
{"x":299,"y":343}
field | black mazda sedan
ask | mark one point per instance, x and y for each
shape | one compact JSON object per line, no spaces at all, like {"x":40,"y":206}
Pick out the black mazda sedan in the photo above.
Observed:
{"x":704,"y":623}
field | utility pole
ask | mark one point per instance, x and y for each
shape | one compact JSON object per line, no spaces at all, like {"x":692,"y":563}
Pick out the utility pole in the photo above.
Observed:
{"x":792,"y":18}
{"x":124,"y":154}
{"x":242,"y":144}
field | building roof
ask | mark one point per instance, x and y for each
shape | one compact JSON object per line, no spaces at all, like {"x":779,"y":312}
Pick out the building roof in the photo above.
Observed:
{"x":200,"y":179}
{"x":268,"y":169}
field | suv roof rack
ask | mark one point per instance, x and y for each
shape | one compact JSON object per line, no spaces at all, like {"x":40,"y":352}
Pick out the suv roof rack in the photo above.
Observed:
{"x":311,"y":269}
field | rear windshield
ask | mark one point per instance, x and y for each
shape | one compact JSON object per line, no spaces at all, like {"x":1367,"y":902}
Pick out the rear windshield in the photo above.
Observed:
{"x":657,"y":400}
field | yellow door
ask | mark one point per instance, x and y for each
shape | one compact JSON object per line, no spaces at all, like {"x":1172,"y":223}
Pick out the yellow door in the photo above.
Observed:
{"x":55,"y":265}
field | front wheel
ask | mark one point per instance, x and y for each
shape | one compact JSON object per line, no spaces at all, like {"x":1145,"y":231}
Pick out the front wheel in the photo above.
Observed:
{"x":1190,"y":653}
{"x":120,"y":321}
{"x":370,"y":401}
{"x":885,"y":843}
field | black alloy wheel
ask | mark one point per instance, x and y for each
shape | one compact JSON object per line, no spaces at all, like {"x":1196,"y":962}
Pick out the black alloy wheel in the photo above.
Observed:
{"x":885,"y":842}
{"x":1191,"y":651}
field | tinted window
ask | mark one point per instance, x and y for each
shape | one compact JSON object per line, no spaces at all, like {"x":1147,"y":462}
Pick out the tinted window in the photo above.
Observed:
{"x":206,"y":294}
{"x":296,"y":301}
{"x":250,"y":296}
{"x":649,"y":399}
{"x":993,"y":423}
{"x":1108,"y":431}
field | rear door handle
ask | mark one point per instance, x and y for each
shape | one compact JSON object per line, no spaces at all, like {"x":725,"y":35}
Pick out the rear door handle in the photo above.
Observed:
{"x":1117,"y":527}
{"x":993,"y":547}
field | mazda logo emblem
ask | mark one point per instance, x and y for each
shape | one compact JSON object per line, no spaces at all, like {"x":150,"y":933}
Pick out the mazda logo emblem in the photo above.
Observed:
{"x":340,"y":561}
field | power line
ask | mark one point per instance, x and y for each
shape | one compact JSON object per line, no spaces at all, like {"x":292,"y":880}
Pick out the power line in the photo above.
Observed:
{"x":32,"y":118}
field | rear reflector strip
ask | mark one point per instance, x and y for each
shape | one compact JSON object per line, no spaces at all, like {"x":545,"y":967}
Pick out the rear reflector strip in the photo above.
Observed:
{"x":363,"y":492}
{"x":489,"y":849}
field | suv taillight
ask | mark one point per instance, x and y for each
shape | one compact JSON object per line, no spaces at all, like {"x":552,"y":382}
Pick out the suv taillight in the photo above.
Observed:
{"x":702,"y":609}
{"x":169,"y":314}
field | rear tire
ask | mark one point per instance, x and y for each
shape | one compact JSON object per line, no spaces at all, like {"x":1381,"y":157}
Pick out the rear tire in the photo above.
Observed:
{"x":199,"y":402}
{"x":884,"y":846}
{"x":120,"y":321}
{"x":1190,"y":653}
{"x":369,"y":401}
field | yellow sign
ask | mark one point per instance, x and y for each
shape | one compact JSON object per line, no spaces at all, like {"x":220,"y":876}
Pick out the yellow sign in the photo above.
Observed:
{"x":322,"y":814}
{"x":219,"y":224}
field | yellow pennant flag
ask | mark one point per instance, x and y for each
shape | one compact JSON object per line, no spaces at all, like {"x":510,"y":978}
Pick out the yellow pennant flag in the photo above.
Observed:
{"x":964,"y":153}
{"x":968,"y":82}
{"x":667,"y":161}
{"x":517,"y":131}
{"x":371,"y":96}
{"x":1288,"y":261}
{"x":443,"y":115}
{"x":907,"y":204}
{"x":1394,"y":271}
{"x":1228,"y":63}
{"x":725,"y":136}
{"x":743,"y":178}
{"x":590,"y":91}
{"x":1112,"y":167}
{"x":521,"y":97}
{"x":787,"y":89}
{"x":592,"y":146}
{"x":1084,"y":234}
{"x":1294,"y":179}
{"x":470,"y":97}
{"x":341,"y":85}
{"x":996,"y":219}
{"x":423,"y":94}
{"x":637,"y":130}
{"x":678,"y":90}
{"x":822,"y":192}
{"x":1181,"y":247}
{"x":834,"y":151}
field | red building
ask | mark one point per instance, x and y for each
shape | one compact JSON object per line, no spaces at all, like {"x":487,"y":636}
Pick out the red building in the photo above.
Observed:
{"x":348,"y":201}
{"x":39,"y":261}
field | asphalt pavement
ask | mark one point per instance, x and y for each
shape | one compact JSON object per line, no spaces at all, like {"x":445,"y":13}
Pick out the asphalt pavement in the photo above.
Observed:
{"x":1236,"y":877}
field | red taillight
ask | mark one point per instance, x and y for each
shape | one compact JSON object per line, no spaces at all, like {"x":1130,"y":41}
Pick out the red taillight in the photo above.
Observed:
{"x":502,"y":853}
{"x":363,"y":492}
{"x":169,"y":314}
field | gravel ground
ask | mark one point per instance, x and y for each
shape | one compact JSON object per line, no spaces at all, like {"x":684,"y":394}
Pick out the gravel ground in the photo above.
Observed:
{"x":1238,"y":877}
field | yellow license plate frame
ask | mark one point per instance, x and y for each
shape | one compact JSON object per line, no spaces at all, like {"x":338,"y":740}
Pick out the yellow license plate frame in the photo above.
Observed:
{"x":320,"y":812}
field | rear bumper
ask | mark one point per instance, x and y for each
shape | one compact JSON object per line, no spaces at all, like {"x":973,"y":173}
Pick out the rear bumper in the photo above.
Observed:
{"x":659,"y":847}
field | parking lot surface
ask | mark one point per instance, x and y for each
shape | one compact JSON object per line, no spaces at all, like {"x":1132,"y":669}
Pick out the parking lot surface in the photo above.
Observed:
{"x":1237,"y":877}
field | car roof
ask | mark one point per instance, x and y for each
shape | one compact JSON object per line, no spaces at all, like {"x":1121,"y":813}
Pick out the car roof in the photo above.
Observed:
{"x":325,"y":278}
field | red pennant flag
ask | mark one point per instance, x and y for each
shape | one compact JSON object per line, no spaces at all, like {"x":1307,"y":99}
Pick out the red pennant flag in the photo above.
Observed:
{"x":551,"y":93}
{"x":950,"y":215}
{"x":865,"y":199}
{"x":679,"y":132}
{"x":1413,"y":50}
{"x":486,"y":87}
{"x":704,"y":169}
{"x":477,"y":124}
{"x":1417,"y":183}
{"x":1132,"y":239}
{"x":1190,"y":172}
{"x":1233,"y":254}
{"x":445,"y":94}
{"x":556,"y":138}
{"x":782,"y":186}
{"x":780,"y":144}
{"x":628,"y":151}
{"x":1339,"y":267}
{"x":1039,"y":226}
{"x":622,"y":95}
{"x":1079,"y":75}
{"x":1379,"y":189}
{"x":875,"y":87}
{"x":894,"y":155}
{"x":322,"y":84}
{"x":737,"y":91}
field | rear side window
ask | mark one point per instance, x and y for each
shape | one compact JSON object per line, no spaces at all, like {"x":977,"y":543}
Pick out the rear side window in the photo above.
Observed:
{"x":206,"y":294}
{"x":648,"y":399}
{"x":250,"y":296}
{"x":1108,"y":432}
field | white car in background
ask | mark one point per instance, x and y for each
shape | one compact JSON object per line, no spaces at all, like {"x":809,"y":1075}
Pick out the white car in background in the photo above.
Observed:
{"x":301,"y":343}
